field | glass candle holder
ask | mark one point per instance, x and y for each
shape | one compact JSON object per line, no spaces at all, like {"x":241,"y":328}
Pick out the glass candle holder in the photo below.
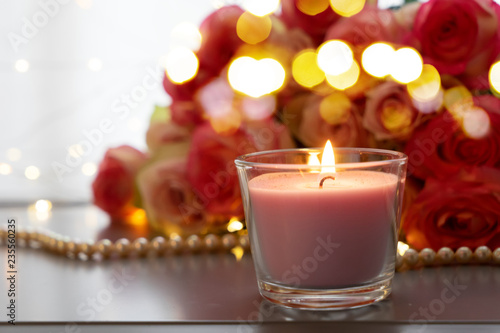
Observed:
{"x":323,"y":237}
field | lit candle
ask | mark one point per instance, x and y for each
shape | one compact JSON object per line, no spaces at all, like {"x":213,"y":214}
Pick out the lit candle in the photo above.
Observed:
{"x":323,"y":231}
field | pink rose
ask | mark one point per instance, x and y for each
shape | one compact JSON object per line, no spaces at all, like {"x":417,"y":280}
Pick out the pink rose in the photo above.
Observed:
{"x":211,"y":170}
{"x":114,"y":184}
{"x":324,"y":118}
{"x":389,"y":112}
{"x":160,"y":134}
{"x":456,"y":212}
{"x":269,"y":134}
{"x":168,"y":198}
{"x":314,"y":25}
{"x":368,"y":26}
{"x":458,"y":36}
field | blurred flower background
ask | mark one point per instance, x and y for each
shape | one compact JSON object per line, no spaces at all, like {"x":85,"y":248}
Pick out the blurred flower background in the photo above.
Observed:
{"x":423,"y":78}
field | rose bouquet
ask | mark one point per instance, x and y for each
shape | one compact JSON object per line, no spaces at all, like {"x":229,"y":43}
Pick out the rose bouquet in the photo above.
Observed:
{"x":446,"y":118}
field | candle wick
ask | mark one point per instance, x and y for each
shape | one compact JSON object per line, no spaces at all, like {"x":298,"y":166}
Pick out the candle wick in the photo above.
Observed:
{"x":323,"y":180}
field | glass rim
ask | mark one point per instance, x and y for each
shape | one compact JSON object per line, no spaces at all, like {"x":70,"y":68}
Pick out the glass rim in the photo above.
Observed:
{"x":398,"y":157}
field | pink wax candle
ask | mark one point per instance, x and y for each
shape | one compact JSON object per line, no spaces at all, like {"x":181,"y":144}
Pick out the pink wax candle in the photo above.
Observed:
{"x":331,"y":237}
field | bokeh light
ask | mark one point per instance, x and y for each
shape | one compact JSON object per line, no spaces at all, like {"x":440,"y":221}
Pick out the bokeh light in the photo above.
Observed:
{"x":256,"y":78}
{"x":234,"y":225}
{"x":181,"y":65}
{"x":312,"y":7}
{"x":22,"y":65}
{"x":346,"y":79}
{"x":427,"y":86}
{"x":377,"y":59}
{"x":407,"y":65}
{"x":94,"y":64}
{"x":305,"y":69}
{"x":476,"y":123}
{"x":335,"y":108}
{"x":402,"y":248}
{"x":5,"y":169}
{"x":253,"y":29}
{"x":396,"y":118}
{"x":347,"y":8}
{"x":335,"y":57}
{"x":185,"y":34}
{"x":43,"y":206}
{"x":89,"y":169}
{"x":261,"y":7}
{"x":457,"y":100}
{"x":14,"y":154}
{"x":32,"y":172}
{"x":494,"y":77}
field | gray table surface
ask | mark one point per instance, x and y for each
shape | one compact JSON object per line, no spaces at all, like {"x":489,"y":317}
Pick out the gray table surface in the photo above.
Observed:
{"x":217,"y":292}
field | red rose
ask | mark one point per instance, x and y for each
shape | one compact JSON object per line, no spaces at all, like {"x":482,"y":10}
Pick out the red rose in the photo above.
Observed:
{"x":219,"y":40}
{"x":314,"y":25}
{"x":113,"y":186}
{"x":455,"y":213}
{"x":368,"y":26}
{"x":333,"y":118}
{"x":168,"y":198}
{"x":211,"y":170}
{"x":458,"y":35}
{"x":441,"y":148}
{"x":389,"y":112}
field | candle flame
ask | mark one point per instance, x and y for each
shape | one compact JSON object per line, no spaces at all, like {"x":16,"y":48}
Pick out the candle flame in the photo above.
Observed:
{"x":328,"y":159}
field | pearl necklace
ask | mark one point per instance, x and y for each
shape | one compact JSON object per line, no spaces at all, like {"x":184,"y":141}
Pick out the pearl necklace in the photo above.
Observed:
{"x":106,"y":249}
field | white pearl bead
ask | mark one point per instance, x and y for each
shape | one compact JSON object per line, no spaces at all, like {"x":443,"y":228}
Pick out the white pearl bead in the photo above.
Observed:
{"x":427,"y":256}
{"x":212,"y":242}
{"x":85,"y":248}
{"x":410,"y":257}
{"x":496,"y":255}
{"x":482,"y":254}
{"x":158,"y":245}
{"x":103,"y":247}
{"x":194,"y":243}
{"x":140,"y":245}
{"x":463,"y":254}
{"x":399,"y":261}
{"x":228,"y":241}
{"x":244,"y":241}
{"x":175,"y":244}
{"x":445,"y":255}
{"x":122,"y":247}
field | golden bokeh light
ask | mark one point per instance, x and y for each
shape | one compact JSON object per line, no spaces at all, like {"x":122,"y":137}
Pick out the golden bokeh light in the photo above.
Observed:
{"x":32,"y":172}
{"x":312,"y":7}
{"x":256,"y":78}
{"x":346,"y":79}
{"x":238,"y":252}
{"x":457,"y":100}
{"x":43,"y":206}
{"x":253,"y":29}
{"x":261,"y":7}
{"x":428,"y":85}
{"x":335,"y":108}
{"x":305,"y":69}
{"x":185,"y":34}
{"x":407,"y":65}
{"x":396,"y":118}
{"x":334,"y":57}
{"x":347,"y":8}
{"x":476,"y":123}
{"x":181,"y":65}
{"x":402,"y":248}
{"x":377,"y":59}
{"x":89,"y":169}
{"x":494,"y":77}
{"x":234,"y":225}
{"x":5,"y":169}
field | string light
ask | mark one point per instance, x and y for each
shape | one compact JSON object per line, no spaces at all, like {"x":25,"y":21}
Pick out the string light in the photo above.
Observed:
{"x":181,"y":65}
{"x":32,"y":172}
{"x":261,"y":7}
{"x":377,"y":59}
{"x":335,"y":57}
{"x":407,"y":65}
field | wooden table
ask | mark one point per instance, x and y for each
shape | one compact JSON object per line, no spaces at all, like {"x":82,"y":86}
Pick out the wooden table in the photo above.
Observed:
{"x":217,"y":292}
